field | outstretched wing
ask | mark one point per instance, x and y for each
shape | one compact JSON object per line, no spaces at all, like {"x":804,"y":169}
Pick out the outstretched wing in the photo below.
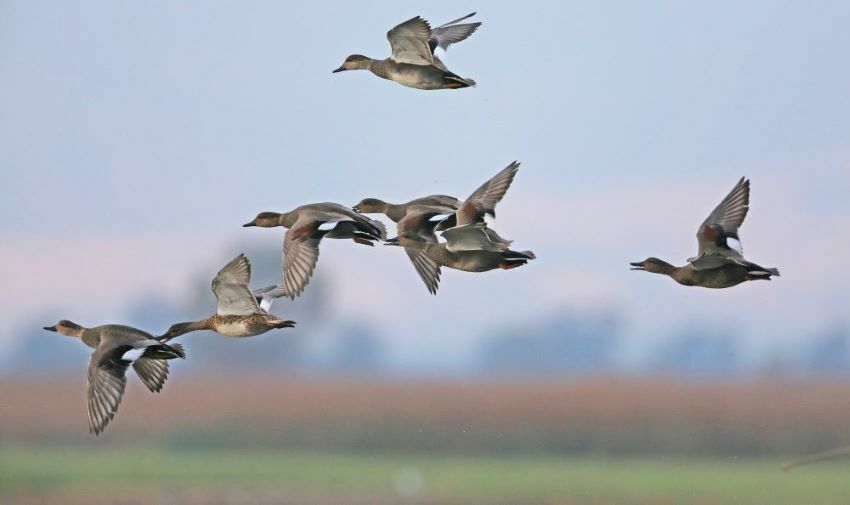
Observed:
{"x":107,"y":378}
{"x":152,"y":372}
{"x":724,"y":221}
{"x":300,"y":255}
{"x":445,"y":35}
{"x":230,"y":286}
{"x":483,"y":200}
{"x":428,"y":269}
{"x":409,"y":42}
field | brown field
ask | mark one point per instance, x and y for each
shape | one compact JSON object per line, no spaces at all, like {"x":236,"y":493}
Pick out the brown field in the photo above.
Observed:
{"x":592,"y":415}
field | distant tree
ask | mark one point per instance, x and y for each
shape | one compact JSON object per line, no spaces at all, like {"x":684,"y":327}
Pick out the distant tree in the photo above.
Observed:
{"x":828,"y":353}
{"x":699,"y":352}
{"x":357,"y":349}
{"x":565,"y":344}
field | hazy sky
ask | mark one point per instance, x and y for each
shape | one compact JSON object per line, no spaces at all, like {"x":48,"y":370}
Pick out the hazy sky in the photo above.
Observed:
{"x":136,"y":138}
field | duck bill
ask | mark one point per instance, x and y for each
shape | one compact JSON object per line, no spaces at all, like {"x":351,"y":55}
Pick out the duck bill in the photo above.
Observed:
{"x":246,"y":225}
{"x":637,"y":266}
{"x":50,"y":328}
{"x":340,"y":69}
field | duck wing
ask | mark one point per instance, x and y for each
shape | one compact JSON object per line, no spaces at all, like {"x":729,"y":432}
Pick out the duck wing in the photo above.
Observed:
{"x":712,"y":261}
{"x":230,"y":287}
{"x":724,"y":221}
{"x":483,"y":200}
{"x":300,"y":255}
{"x":427,"y":268}
{"x":420,"y":221}
{"x":152,"y":372}
{"x":409,"y":42}
{"x":266,"y":296}
{"x":474,"y":237}
{"x":107,"y":378}
{"x":450,"y":33}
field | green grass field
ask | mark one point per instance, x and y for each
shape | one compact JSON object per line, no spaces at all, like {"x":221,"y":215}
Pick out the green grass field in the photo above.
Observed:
{"x":59,"y":475}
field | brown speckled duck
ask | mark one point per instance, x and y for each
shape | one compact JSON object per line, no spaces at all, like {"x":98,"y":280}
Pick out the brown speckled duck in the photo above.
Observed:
{"x":413,"y":62}
{"x":717,"y":264}
{"x":240,"y":312}
{"x":116,"y":347}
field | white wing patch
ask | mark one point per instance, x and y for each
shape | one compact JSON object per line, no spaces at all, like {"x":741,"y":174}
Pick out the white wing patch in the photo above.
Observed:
{"x":735,"y":244}
{"x":266,"y":303}
{"x":133,"y":354}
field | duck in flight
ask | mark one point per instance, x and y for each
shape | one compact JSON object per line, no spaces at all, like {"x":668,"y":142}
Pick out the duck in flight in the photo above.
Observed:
{"x":306,"y":227}
{"x":717,"y":264}
{"x":470,"y":247}
{"x":482,"y":202}
{"x":116,"y":347}
{"x":240,"y":312}
{"x":413,"y":62}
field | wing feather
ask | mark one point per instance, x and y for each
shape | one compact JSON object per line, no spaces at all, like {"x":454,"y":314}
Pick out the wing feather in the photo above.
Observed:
{"x":152,"y":372}
{"x":427,"y":268}
{"x":107,"y":378}
{"x":230,"y":286}
{"x":409,"y":42}
{"x":300,"y":255}
{"x":483,"y":200}
{"x":724,"y":221}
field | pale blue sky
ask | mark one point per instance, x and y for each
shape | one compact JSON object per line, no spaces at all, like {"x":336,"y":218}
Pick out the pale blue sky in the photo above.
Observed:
{"x":135,"y":138}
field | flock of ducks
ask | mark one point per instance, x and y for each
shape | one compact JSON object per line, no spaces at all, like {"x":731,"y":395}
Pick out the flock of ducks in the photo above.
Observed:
{"x":468,"y":244}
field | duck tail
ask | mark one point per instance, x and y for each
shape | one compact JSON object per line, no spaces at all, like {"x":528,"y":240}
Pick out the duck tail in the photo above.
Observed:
{"x":364,"y":238}
{"x":454,"y":81}
{"x":164,"y":351}
{"x":283,"y":324}
{"x":528,"y":255}
{"x":515,"y":259}
{"x":370,"y":229}
{"x":760,"y":273}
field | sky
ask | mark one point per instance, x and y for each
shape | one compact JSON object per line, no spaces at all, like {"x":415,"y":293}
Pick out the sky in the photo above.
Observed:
{"x":136,"y":138}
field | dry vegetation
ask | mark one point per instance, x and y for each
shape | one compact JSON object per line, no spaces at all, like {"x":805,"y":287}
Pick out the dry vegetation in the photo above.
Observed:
{"x":594,"y":415}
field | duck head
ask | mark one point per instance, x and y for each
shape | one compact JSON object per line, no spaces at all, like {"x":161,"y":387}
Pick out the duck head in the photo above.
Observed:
{"x":65,"y":327}
{"x":265,"y":220}
{"x":175,"y":330}
{"x":653,"y":265}
{"x":371,"y":206}
{"x":355,"y":62}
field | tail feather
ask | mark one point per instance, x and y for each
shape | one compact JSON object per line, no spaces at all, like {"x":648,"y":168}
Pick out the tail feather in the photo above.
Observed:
{"x":283,"y":324}
{"x":164,"y":351}
{"x":371,"y":228}
{"x":756,"y":272}
{"x":364,"y":238}
{"x":453,"y":81}
{"x":528,"y":255}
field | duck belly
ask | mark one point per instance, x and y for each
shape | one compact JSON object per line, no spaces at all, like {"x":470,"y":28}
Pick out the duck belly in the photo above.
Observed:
{"x":417,"y":76}
{"x":239,"y":329}
{"x":722,"y":277}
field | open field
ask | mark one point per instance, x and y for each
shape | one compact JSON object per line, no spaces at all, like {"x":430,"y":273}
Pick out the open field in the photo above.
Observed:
{"x":70,"y":476}
{"x":612,"y":416}
{"x":282,"y":440}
